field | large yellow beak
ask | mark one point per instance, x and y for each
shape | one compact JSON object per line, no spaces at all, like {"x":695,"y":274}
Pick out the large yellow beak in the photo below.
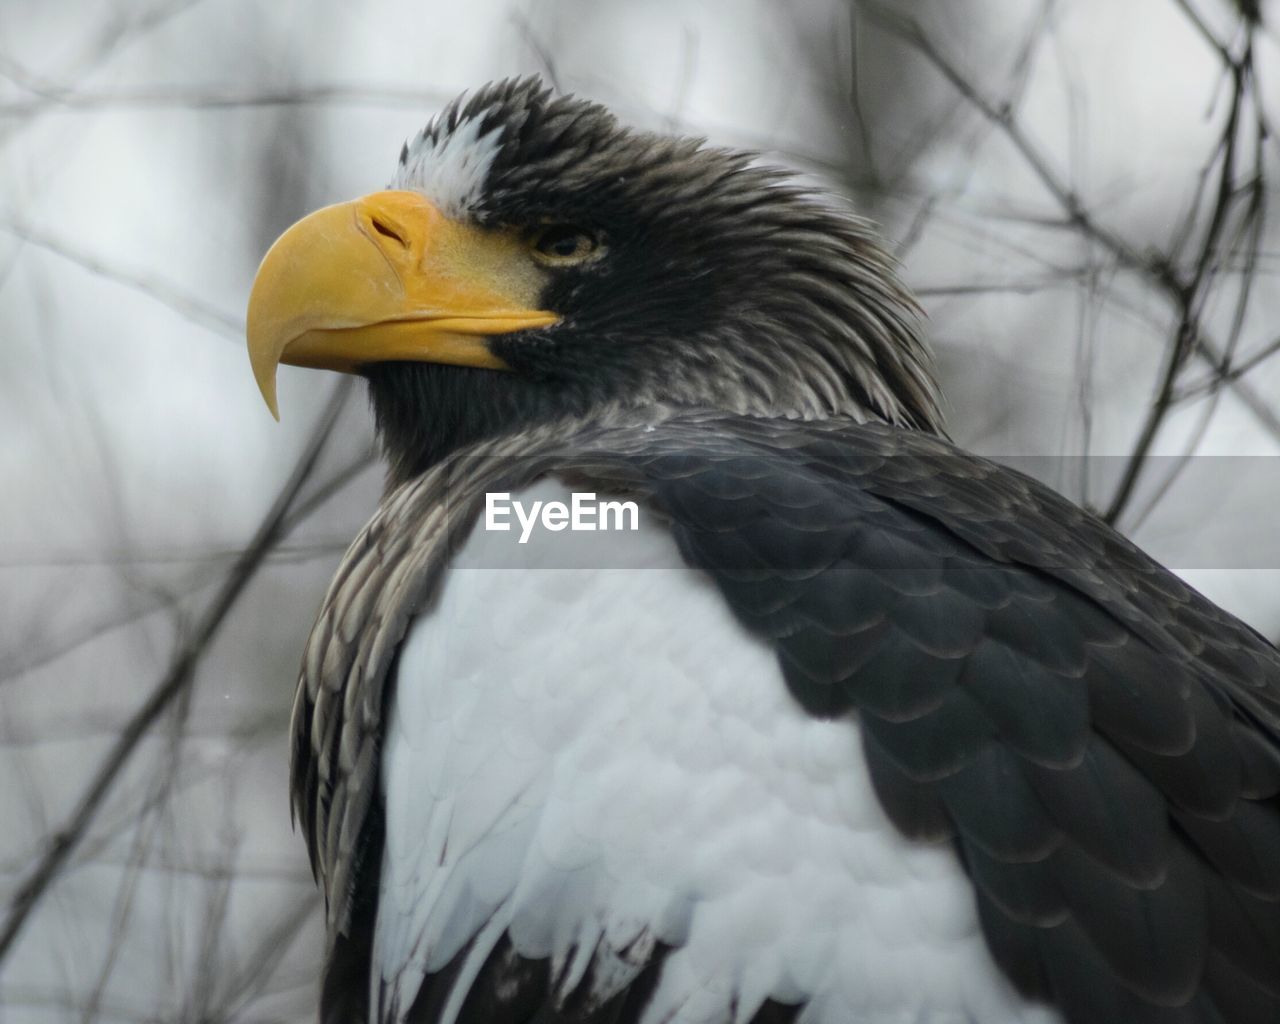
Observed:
{"x":387,"y":278}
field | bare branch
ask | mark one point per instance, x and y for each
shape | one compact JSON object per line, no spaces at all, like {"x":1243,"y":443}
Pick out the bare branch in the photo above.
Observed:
{"x":1189,"y":299}
{"x":55,"y":99}
{"x":1206,"y":33}
{"x":186,"y":305}
{"x":173,"y":684}
{"x":1186,"y":292}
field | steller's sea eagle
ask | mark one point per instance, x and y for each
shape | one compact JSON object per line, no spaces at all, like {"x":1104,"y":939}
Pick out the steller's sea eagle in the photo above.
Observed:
{"x":853,"y":727}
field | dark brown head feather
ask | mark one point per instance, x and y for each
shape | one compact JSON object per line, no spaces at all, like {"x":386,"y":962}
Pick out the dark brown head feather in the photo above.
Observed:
{"x":725,"y":285}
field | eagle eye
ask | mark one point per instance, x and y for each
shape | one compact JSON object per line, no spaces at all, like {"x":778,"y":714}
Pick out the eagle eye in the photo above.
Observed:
{"x":563,"y":245}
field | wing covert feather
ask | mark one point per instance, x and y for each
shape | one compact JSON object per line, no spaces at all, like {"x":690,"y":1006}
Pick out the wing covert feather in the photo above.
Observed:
{"x":1100,"y":743}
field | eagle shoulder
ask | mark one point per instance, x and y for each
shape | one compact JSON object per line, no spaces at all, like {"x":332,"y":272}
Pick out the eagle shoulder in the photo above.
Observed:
{"x":1038,"y":703}
{"x":590,"y":764}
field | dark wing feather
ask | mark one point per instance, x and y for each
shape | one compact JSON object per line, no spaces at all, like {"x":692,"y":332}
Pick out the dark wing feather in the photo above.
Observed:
{"x":1100,"y":743}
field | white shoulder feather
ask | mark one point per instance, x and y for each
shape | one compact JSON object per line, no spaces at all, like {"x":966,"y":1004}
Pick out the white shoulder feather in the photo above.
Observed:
{"x":597,"y":759}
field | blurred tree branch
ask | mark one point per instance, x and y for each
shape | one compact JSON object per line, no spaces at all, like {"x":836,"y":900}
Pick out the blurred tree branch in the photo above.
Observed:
{"x":10,"y":670}
{"x":189,"y":307}
{"x":176,"y":680}
{"x":1239,"y":193}
{"x":140,"y":845}
{"x":52,"y":98}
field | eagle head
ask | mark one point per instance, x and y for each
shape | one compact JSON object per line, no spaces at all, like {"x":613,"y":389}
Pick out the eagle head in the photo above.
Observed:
{"x":533,"y":259}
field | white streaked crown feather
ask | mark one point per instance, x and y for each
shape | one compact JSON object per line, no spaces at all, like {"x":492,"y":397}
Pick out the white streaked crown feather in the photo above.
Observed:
{"x":450,"y":167}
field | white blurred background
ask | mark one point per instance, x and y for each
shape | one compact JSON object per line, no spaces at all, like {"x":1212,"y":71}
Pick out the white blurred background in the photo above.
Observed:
{"x":1079,"y":190}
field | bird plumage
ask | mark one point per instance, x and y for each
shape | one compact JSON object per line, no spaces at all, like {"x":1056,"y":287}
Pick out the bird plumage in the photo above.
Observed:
{"x":865,"y":664}
{"x":724,"y":284}
{"x":1092,"y":741}
{"x":602,"y":812}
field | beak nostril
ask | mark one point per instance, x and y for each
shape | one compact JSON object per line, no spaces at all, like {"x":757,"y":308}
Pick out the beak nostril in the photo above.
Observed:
{"x":388,"y":231}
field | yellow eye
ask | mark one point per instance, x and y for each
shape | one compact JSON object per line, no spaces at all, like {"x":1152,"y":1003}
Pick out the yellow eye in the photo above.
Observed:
{"x":564,"y":244}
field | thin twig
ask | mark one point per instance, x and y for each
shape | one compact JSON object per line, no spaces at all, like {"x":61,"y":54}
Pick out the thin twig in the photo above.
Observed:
{"x":16,"y":668}
{"x":54,"y":99}
{"x":1236,"y":371}
{"x":175,"y":681}
{"x":1186,"y":293}
{"x":1193,"y":16}
{"x":188,"y":306}
{"x":1189,"y":299}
